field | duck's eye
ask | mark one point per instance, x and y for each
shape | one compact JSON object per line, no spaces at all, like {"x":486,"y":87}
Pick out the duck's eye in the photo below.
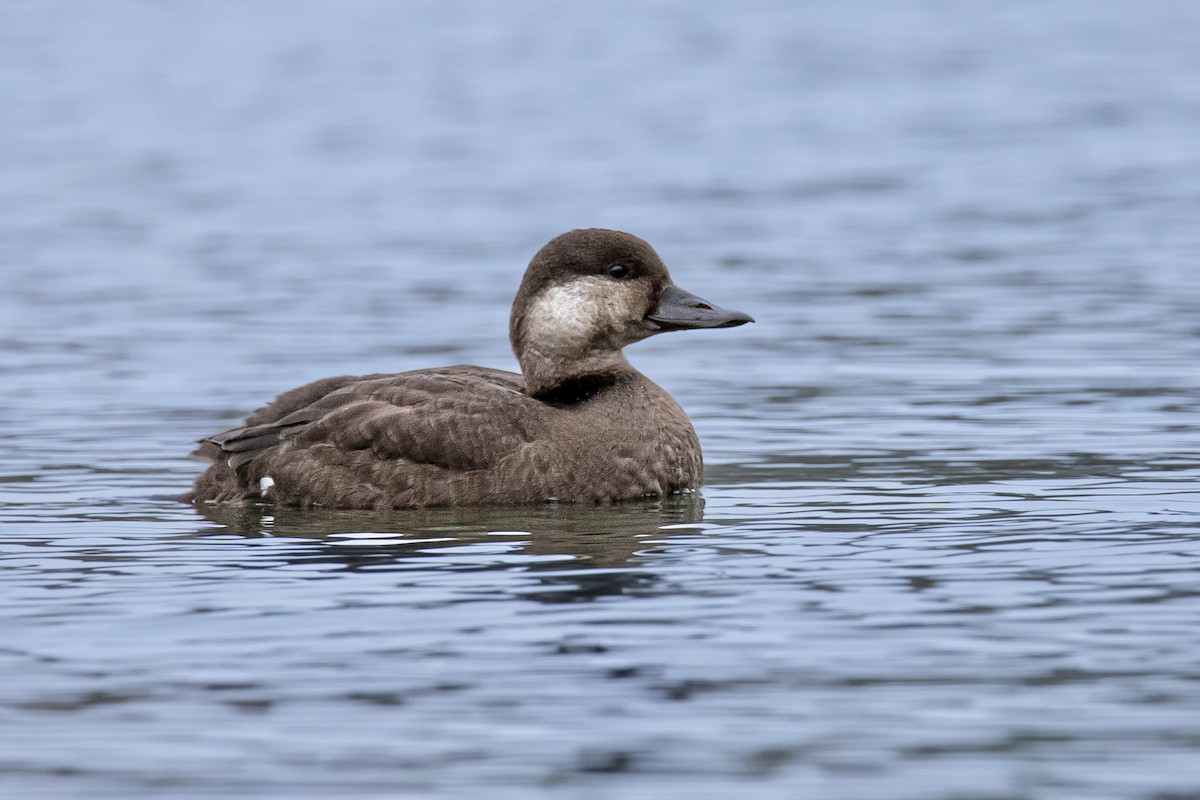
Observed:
{"x":619,"y":271}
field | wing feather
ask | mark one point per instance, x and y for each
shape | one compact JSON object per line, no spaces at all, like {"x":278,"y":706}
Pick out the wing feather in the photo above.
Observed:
{"x":457,"y":418}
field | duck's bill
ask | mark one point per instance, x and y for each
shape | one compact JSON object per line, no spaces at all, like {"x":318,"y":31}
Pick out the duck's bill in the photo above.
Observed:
{"x":679,"y":310}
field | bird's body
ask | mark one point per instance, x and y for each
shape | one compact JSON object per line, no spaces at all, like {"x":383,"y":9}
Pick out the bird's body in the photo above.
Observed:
{"x":579,"y":423}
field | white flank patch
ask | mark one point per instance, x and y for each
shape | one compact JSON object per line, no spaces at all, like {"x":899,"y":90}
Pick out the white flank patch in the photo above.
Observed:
{"x":265,"y":484}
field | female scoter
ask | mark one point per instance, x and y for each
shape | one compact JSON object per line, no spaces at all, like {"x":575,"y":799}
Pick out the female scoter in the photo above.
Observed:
{"x":578,"y":424}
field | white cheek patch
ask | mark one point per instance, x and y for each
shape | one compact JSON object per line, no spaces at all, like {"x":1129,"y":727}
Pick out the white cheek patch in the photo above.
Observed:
{"x":575,"y":314}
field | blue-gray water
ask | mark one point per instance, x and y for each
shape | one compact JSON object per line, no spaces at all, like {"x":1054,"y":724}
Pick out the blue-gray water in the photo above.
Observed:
{"x":949,"y":549}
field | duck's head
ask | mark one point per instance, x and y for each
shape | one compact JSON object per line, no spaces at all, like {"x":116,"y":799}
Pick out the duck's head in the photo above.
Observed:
{"x":588,"y":293}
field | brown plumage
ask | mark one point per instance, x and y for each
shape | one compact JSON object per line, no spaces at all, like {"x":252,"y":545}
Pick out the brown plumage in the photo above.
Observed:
{"x":579,"y":423}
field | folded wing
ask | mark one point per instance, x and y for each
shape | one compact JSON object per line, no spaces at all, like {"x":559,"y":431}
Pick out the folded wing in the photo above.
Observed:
{"x":374,"y":429}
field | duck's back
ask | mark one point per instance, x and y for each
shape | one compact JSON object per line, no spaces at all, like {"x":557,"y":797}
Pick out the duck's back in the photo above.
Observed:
{"x":452,"y":436}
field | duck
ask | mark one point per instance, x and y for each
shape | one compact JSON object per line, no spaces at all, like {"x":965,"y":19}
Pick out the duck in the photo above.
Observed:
{"x":578,"y":424}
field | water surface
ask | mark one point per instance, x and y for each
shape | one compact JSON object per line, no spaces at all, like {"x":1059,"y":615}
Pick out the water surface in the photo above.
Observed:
{"x":949,"y":538}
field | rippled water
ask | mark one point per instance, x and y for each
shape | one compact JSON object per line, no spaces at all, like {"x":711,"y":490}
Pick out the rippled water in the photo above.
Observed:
{"x":948,"y":546}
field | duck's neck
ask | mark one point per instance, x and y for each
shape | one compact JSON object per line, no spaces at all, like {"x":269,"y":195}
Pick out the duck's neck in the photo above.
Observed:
{"x":548,"y":376}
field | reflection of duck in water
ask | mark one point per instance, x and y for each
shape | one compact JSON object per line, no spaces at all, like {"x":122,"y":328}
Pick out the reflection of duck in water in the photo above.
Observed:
{"x":572,"y":552}
{"x":578,"y":424}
